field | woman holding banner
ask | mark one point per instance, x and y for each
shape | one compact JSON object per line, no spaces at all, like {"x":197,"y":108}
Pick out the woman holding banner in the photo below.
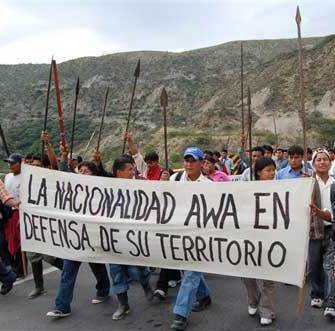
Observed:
{"x":261,"y":299}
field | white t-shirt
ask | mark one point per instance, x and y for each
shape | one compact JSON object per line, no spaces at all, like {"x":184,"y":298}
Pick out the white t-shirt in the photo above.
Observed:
{"x":184,"y":178}
{"x":325,"y":195}
{"x":12,"y":184}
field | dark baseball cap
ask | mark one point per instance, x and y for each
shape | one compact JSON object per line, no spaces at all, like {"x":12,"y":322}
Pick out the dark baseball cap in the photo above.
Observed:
{"x":14,"y":158}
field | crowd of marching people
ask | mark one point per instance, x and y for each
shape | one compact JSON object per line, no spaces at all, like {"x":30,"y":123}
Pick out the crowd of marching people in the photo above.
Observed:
{"x":261,"y":163}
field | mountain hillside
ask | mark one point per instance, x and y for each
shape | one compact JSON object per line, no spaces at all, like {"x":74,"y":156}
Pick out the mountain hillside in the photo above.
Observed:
{"x":203,"y":87}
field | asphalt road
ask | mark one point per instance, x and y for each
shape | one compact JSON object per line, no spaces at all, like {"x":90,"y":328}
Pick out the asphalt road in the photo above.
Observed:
{"x":227,"y":312}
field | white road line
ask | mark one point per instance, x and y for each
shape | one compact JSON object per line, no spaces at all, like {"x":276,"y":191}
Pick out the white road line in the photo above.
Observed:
{"x":30,"y":277}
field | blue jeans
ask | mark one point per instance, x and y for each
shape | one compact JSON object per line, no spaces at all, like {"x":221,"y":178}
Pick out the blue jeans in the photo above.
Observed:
{"x":7,"y":276}
{"x":68,"y":280}
{"x":329,"y":271}
{"x":193,"y":287}
{"x":122,"y":275}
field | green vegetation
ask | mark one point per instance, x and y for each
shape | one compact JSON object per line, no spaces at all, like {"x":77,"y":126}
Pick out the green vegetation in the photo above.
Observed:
{"x":203,"y":91}
{"x":323,"y":127}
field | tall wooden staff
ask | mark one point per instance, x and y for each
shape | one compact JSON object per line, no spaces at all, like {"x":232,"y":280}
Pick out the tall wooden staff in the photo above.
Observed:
{"x":302,"y":115}
{"x":227,"y":143}
{"x":164,"y":104}
{"x":242,"y":96}
{"x":302,"y":112}
{"x":249,"y":132}
{"x":89,"y":143}
{"x":61,"y":127}
{"x":102,"y":119}
{"x":4,"y":142}
{"x":74,"y":117}
{"x":47,"y":104}
{"x":136,"y":75}
{"x":275,"y":126}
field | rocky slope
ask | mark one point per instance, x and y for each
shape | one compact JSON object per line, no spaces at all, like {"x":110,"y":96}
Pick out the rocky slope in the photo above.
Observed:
{"x":204,"y":95}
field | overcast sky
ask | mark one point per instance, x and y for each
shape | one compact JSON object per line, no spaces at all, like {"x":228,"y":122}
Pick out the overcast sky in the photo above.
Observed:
{"x":34,"y":30}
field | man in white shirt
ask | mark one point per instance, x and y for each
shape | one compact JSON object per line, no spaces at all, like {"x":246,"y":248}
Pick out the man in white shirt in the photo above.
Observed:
{"x":13,"y":179}
{"x":193,"y":293}
{"x":322,"y":244}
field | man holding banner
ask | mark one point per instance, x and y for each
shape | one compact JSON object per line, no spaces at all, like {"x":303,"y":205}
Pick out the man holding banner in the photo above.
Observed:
{"x":123,"y":274}
{"x":242,"y":229}
{"x":322,"y":244}
{"x":193,"y":293}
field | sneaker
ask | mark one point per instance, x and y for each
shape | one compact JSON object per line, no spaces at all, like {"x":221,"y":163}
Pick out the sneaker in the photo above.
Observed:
{"x":58,"y":314}
{"x":266,"y":321}
{"x":202,"y":304}
{"x":179,"y":323}
{"x":329,"y":312}
{"x":121,"y":312}
{"x":160,"y":294}
{"x":36,"y":293}
{"x":5,"y":289}
{"x":148,"y":292}
{"x":173,"y":283}
{"x":98,"y":299}
{"x":252,"y":310}
{"x":316,"y":303}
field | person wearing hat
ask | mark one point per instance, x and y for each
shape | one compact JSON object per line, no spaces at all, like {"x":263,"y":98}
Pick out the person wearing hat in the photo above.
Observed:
{"x":13,"y":179}
{"x":322,"y":236}
{"x":193,"y":293}
{"x":12,"y":228}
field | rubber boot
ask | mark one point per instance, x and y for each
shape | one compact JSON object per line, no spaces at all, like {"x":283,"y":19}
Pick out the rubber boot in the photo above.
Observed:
{"x":37,"y":268}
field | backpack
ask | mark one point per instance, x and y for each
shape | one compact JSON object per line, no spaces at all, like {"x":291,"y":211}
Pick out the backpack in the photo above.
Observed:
{"x":178,"y":177}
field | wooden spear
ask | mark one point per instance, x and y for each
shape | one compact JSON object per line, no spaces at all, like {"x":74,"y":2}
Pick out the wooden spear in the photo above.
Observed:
{"x":302,"y":116}
{"x":136,"y":75}
{"x":275,"y":126}
{"x":47,"y":104}
{"x":302,"y":111}
{"x":89,"y":143}
{"x":74,"y":117}
{"x":4,"y":142}
{"x":102,"y":119}
{"x":249,"y":132}
{"x":164,"y":104}
{"x":61,"y":127}
{"x":242,"y":96}
{"x":227,"y":143}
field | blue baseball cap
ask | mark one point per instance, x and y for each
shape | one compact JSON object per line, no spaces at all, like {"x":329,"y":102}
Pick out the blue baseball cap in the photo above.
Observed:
{"x":195,"y":152}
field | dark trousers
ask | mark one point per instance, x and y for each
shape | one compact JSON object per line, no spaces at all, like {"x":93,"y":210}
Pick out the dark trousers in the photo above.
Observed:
{"x":315,"y":268}
{"x":7,"y":276}
{"x":165,"y":276}
{"x":4,"y":253}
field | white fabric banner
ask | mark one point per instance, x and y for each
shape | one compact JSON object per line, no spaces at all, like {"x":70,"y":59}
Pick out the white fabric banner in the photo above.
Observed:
{"x":245,"y":229}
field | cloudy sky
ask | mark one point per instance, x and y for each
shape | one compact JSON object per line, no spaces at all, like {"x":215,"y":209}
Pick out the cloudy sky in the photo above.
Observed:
{"x":31,"y":31}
